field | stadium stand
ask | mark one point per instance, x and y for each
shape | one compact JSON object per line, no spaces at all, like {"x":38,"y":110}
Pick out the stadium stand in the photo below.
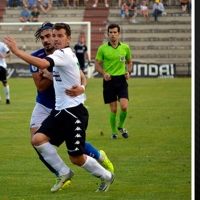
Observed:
{"x":168,"y":41}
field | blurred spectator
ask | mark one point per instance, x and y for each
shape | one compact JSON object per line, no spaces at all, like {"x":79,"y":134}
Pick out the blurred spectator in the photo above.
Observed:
{"x":35,"y":15}
{"x":81,"y":52}
{"x":31,"y":3}
{"x":25,"y":16}
{"x":119,"y":3}
{"x":66,"y":3}
{"x":124,"y":10}
{"x":76,"y":3}
{"x":96,"y":2}
{"x":189,"y":7}
{"x":46,"y":5}
{"x":166,"y":2}
{"x":144,"y":10}
{"x":184,"y":4}
{"x":137,"y":2}
{"x":132,"y":8}
{"x":12,"y":3}
{"x":158,"y":9}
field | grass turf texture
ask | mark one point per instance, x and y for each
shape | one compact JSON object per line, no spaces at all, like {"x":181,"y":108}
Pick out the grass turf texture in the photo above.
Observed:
{"x":154,"y":163}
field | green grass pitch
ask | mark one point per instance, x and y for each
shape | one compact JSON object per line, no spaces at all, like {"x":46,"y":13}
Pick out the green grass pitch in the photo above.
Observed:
{"x":154,"y":163}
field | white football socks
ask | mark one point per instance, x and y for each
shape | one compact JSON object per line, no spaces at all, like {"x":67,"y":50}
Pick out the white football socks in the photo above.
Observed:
{"x":7,"y":91}
{"x":92,"y":166}
{"x":50,"y":154}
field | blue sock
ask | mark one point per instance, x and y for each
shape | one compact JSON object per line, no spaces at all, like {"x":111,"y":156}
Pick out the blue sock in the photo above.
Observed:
{"x":91,"y":151}
{"x":46,"y":163}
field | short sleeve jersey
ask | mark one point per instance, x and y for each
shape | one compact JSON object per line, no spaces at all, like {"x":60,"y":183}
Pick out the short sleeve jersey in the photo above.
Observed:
{"x":35,"y":14}
{"x":80,"y":52}
{"x":114,"y":59}
{"x":46,"y":98}
{"x":3,"y":50}
{"x":31,"y":2}
{"x":66,"y":73}
{"x":25,"y":14}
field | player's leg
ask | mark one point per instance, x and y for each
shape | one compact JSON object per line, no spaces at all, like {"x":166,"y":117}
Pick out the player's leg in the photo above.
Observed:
{"x":110,"y":98}
{"x":75,"y":142}
{"x":100,"y":156}
{"x":113,"y":115}
{"x":122,"y":117}
{"x":6,"y":87}
{"x":123,"y":99}
{"x":41,"y":141}
{"x":38,"y":115}
{"x":94,"y":168}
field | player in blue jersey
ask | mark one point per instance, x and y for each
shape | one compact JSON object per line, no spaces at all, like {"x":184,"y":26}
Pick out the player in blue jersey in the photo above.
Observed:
{"x":45,"y":99}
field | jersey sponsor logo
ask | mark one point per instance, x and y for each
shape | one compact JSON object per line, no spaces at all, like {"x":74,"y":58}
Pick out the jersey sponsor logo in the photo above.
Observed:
{"x":77,"y":135}
{"x":77,"y":128}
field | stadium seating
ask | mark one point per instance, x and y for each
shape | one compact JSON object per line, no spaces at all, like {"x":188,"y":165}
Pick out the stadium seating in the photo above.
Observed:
{"x":168,"y":41}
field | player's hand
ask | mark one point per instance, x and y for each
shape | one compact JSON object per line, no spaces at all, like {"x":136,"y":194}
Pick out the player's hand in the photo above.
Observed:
{"x":11,"y":43}
{"x":40,"y":72}
{"x":107,"y":77}
{"x":127,"y":75}
{"x":47,"y":74}
{"x":75,"y":91}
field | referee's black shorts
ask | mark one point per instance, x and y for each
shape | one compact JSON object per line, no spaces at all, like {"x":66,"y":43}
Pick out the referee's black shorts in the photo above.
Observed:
{"x":115,"y":89}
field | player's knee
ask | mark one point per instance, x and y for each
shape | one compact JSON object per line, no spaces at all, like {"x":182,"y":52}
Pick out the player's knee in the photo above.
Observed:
{"x":39,"y":139}
{"x":78,"y":160}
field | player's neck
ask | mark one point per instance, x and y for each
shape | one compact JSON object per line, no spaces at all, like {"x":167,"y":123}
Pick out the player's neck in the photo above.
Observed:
{"x":115,"y":43}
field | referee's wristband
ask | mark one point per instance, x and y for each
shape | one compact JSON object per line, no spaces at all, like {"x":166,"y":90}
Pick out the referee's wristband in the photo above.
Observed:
{"x":83,"y":87}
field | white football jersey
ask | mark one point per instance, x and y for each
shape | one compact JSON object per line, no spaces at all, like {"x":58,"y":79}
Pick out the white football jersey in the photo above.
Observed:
{"x":66,"y":73}
{"x":3,"y":50}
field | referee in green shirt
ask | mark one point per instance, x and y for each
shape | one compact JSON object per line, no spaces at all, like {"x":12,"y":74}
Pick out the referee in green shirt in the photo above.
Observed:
{"x":111,"y":61}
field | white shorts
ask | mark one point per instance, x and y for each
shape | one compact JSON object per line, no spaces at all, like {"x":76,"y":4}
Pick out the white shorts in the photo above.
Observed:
{"x":39,"y":113}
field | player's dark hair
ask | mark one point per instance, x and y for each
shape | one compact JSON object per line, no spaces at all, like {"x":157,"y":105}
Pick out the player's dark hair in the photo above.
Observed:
{"x":45,"y":25}
{"x":111,"y":26}
{"x":58,"y":26}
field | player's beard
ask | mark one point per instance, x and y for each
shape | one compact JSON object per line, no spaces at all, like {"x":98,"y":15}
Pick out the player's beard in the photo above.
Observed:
{"x":49,"y":49}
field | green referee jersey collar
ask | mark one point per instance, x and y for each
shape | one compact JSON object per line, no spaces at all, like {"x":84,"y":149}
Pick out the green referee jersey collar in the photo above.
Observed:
{"x":109,"y":44}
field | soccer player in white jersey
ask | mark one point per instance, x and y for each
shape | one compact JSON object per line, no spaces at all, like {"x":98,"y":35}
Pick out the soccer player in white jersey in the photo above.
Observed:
{"x":4,"y":52}
{"x":67,"y":121}
{"x":45,"y":99}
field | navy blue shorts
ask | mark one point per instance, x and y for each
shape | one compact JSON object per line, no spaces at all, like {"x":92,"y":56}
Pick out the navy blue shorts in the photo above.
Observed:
{"x":115,"y":89}
{"x":67,"y":125}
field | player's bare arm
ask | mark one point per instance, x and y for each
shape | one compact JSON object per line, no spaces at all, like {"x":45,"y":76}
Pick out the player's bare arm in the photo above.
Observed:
{"x":98,"y":68}
{"x":41,"y":82}
{"x":130,"y":67}
{"x":40,"y":63}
